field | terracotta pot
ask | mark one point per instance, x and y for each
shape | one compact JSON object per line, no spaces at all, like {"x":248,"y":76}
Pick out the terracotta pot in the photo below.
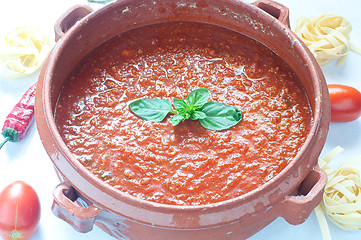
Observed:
{"x":82,"y":199}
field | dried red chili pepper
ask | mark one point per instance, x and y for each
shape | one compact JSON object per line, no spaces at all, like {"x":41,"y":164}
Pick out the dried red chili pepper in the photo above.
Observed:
{"x":19,"y":119}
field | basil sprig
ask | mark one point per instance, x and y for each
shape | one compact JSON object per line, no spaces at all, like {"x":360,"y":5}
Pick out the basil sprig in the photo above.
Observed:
{"x":211,"y":115}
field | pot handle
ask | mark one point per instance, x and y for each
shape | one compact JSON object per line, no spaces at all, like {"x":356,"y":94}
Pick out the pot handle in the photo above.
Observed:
{"x":64,"y":207}
{"x":296,"y":209}
{"x":70,"y":18}
{"x":275,"y":9}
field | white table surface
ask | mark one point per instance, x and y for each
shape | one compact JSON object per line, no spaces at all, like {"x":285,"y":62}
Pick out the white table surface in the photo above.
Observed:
{"x":28,"y":161}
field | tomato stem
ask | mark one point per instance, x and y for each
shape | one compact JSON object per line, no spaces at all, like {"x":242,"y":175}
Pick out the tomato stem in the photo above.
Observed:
{"x":15,"y":235}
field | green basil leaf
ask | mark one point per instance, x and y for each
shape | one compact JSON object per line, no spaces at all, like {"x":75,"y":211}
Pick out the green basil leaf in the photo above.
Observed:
{"x":180,"y":105}
{"x":197,"y":98}
{"x":220,"y":116}
{"x":198,"y":115}
{"x":154,"y":110}
{"x":176,"y":119}
{"x":211,"y":115}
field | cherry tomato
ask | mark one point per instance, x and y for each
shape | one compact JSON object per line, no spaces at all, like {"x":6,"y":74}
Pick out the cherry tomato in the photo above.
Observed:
{"x":345,"y":103}
{"x":19,"y":211}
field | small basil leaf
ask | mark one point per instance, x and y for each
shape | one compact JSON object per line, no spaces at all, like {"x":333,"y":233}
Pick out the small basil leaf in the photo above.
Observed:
{"x":154,"y":110}
{"x":176,"y":119}
{"x":220,"y":116}
{"x":198,"y":115}
{"x":197,"y":98}
{"x":180,"y":105}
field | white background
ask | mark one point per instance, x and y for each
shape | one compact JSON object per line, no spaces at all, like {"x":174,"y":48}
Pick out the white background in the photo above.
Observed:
{"x":28,"y":161}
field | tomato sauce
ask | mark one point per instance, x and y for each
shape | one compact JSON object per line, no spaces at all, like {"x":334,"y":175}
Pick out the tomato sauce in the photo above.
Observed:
{"x":184,"y":164}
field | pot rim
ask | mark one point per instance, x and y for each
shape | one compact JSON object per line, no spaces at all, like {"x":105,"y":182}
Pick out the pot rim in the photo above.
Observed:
{"x":317,"y":112}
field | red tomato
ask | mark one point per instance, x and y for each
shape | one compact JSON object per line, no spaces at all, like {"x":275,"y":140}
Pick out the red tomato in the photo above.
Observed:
{"x":345,"y":103}
{"x":19,"y":211}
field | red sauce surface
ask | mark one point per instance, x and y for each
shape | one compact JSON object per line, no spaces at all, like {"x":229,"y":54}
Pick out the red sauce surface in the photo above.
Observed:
{"x":186,"y":164}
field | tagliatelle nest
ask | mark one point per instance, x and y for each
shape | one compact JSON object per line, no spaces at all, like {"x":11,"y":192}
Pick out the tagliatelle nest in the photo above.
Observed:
{"x":342,"y":195}
{"x":327,"y":37}
{"x":23,"y":50}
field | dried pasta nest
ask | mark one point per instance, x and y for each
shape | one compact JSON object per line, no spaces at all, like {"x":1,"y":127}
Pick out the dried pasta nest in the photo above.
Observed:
{"x":342,"y":195}
{"x":24,"y":49}
{"x":327,"y":37}
{"x":342,"y":198}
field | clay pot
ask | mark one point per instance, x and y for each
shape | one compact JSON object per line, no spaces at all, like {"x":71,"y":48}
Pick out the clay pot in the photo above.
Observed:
{"x":84,"y":200}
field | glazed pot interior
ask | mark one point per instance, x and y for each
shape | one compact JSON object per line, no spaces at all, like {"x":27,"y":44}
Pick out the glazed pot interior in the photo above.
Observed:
{"x":121,"y":16}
